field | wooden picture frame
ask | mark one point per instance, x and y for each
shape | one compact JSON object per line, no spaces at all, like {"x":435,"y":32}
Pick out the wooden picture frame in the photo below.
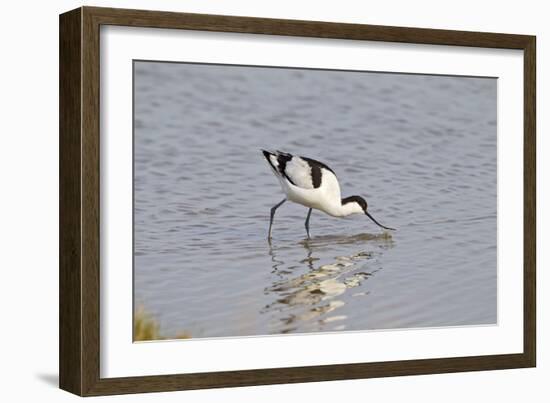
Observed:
{"x":80,"y":199}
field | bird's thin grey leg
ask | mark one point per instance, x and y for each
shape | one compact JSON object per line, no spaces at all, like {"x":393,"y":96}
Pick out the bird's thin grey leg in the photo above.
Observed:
{"x":307,"y":223}
{"x":275,"y":207}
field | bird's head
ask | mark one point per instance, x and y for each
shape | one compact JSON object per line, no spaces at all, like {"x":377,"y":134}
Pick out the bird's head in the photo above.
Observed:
{"x":357,"y":204}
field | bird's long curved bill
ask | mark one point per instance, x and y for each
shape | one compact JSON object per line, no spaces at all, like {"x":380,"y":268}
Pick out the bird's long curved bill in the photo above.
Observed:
{"x":377,"y":223}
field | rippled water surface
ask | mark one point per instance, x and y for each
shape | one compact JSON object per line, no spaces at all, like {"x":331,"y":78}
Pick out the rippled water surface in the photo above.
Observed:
{"x":421,"y":150}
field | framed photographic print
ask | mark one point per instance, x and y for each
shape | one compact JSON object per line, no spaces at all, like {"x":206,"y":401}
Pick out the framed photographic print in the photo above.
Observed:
{"x":249,"y":201}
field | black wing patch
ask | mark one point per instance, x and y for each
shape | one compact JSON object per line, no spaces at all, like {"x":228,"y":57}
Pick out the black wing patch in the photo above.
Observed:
{"x":282,"y":159}
{"x":316,"y":174}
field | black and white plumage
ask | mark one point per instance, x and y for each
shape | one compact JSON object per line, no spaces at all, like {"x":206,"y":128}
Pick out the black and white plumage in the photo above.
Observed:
{"x":312,"y":184}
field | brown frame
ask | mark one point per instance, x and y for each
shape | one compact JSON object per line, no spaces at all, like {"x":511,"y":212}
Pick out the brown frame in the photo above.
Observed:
{"x":79,"y":200}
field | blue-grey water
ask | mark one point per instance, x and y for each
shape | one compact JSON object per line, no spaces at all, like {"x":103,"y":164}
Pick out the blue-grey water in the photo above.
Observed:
{"x":421,"y":149}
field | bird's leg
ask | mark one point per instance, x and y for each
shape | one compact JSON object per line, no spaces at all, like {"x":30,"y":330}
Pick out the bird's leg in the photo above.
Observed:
{"x":307,"y":223}
{"x":275,"y":207}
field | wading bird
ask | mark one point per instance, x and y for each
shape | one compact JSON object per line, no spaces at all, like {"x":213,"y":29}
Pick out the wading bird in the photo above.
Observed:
{"x":312,"y":184}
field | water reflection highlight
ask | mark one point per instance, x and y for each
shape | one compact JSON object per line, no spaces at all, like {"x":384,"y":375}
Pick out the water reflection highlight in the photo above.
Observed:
{"x":311,"y":300}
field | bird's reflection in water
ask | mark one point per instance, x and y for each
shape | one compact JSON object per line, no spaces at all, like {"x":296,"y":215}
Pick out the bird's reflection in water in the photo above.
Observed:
{"x":309,"y":301}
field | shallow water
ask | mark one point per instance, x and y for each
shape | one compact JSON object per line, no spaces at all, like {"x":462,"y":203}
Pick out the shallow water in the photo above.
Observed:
{"x":420,"y":149}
